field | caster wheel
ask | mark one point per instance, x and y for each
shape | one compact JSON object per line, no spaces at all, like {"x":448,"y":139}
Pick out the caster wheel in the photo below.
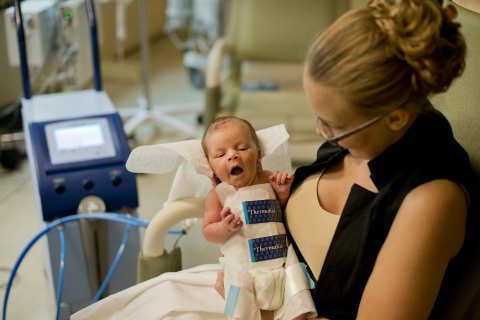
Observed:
{"x":10,"y":158}
{"x":197,"y":78}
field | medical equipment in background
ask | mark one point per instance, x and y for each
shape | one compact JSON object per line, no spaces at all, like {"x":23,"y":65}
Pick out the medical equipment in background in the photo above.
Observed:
{"x":204,"y":22}
{"x":58,"y":43}
{"x":57,"y":37}
{"x":75,"y":48}
{"x":11,"y":131}
{"x":146,"y":112}
{"x":204,"y":19}
{"x":77,"y":151}
{"x":41,"y":27}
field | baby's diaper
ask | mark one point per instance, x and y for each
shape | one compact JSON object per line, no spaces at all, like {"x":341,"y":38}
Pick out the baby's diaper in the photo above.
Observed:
{"x":268,"y":287}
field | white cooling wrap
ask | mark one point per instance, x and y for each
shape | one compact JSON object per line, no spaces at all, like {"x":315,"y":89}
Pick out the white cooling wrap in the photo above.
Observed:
{"x":254,"y":257}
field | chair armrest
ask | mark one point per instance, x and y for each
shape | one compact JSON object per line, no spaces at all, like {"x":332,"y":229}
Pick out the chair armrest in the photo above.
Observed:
{"x":214,"y":63}
{"x":165,"y":219}
{"x":212,"y":80}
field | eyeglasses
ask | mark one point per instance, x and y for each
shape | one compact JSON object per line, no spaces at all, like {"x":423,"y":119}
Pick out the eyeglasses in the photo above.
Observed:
{"x":330,"y":138}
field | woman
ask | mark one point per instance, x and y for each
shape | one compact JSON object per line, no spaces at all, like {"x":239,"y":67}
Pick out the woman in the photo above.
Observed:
{"x":381,"y":213}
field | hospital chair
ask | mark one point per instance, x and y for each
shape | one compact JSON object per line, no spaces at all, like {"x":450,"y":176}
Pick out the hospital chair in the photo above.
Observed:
{"x":461,"y":105}
{"x":255,"y":71}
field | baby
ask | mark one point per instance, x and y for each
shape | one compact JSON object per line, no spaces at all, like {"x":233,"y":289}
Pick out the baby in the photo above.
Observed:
{"x":243,"y":212}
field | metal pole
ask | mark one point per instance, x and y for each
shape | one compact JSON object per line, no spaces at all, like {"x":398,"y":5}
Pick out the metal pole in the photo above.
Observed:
{"x":144,"y":51}
{"x":22,"y":49}
{"x":89,"y":5}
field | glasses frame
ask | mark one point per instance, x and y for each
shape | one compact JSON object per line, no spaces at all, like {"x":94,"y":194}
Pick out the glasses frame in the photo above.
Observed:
{"x":335,"y":139}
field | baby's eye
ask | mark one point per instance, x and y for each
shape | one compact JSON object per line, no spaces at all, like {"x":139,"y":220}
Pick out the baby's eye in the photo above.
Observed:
{"x":220,"y":155}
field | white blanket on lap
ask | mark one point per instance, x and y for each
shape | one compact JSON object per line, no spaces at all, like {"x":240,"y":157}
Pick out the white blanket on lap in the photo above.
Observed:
{"x":190,"y":294}
{"x":187,"y":294}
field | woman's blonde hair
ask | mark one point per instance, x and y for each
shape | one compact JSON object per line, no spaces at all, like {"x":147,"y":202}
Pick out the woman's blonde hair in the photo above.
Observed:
{"x":388,"y":54}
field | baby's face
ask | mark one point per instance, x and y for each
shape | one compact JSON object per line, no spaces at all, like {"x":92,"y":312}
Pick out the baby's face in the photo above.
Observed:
{"x":233,"y":155}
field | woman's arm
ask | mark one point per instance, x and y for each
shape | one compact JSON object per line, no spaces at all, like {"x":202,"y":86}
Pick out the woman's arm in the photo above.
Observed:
{"x":427,"y":232}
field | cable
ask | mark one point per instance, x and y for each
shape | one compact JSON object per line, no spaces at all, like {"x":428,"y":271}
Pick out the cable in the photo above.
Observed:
{"x":114,"y":264}
{"x":141,"y":223}
{"x":62,"y":269}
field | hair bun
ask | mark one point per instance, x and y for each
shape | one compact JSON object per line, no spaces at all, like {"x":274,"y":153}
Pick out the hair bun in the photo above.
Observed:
{"x":422,"y":34}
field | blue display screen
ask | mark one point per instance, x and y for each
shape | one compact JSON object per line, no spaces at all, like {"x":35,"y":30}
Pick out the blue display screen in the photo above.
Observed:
{"x":79,"y":137}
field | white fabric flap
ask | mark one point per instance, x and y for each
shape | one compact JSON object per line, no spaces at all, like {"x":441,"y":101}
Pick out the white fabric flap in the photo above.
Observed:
{"x":162,"y":158}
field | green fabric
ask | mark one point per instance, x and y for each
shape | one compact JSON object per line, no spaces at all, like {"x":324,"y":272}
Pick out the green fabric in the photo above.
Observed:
{"x":461,"y":103}
{"x":152,"y":267}
{"x":279,"y":30}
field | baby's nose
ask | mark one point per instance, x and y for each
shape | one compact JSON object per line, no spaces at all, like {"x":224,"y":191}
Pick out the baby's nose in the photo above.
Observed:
{"x":233,"y":154}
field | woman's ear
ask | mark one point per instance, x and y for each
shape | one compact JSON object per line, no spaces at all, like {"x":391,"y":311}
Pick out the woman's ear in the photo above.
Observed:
{"x":398,"y":119}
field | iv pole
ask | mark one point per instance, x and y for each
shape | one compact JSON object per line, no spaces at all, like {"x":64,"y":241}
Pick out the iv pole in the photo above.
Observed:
{"x":146,"y":112}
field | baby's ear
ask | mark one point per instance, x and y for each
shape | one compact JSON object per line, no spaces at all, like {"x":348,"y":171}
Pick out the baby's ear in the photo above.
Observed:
{"x":259,"y":157}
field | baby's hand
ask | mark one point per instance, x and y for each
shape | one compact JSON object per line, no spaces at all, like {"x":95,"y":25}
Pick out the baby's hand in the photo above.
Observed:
{"x":281,"y":181}
{"x":230,"y":222}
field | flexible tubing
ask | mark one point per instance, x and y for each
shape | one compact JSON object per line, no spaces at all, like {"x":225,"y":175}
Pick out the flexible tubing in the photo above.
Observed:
{"x":126,"y":234}
{"x":141,"y":223}
{"x":62,"y":269}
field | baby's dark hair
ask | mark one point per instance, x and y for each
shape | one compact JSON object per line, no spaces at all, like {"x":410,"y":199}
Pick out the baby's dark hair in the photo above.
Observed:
{"x":222,"y":122}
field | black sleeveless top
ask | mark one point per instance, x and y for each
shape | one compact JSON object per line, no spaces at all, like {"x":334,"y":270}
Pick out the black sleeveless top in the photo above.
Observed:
{"x":427,"y":151}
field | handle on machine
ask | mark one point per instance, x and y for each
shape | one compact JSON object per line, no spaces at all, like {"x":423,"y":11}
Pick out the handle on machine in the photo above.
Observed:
{"x":22,"y":49}
{"x":92,"y":23}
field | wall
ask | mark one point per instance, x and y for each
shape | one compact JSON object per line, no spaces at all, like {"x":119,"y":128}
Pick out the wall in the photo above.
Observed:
{"x":106,"y":15}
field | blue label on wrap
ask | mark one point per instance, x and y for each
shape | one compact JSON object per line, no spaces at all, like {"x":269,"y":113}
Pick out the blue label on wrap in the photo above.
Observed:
{"x":268,"y":248}
{"x":261,"y":211}
{"x":231,"y":302}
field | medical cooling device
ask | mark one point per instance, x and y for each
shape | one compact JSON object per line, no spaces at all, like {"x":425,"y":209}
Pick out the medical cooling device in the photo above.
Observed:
{"x":77,"y":150}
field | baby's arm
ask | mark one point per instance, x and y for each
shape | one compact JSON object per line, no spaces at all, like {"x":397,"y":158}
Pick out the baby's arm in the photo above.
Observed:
{"x":219,"y":223}
{"x":281,"y":183}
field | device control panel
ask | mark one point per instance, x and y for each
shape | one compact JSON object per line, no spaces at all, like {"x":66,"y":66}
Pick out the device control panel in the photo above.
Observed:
{"x":80,"y":158}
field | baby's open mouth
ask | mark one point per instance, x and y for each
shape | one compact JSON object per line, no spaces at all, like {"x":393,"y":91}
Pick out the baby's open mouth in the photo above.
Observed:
{"x":236,"y":170}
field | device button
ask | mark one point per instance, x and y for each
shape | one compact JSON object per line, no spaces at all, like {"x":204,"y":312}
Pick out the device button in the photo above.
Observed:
{"x":116,"y":180}
{"x":87,"y":184}
{"x":59,"y":188}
